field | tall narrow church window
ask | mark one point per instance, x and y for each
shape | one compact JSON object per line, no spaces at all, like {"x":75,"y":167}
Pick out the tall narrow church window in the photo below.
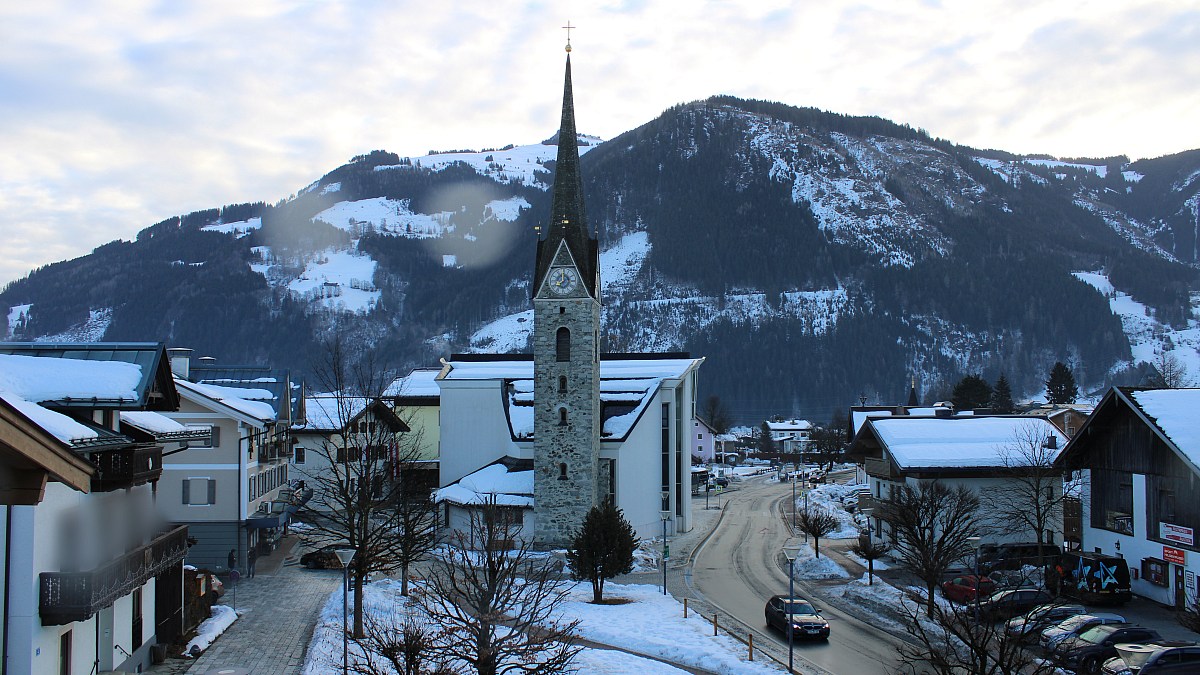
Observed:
{"x":562,"y":417}
{"x":562,"y":471}
{"x":562,"y":384}
{"x":563,"y":345}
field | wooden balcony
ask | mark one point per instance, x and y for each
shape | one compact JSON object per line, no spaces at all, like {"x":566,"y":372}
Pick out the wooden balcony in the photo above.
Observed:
{"x":879,"y":468}
{"x":126,"y":467}
{"x":75,"y":596}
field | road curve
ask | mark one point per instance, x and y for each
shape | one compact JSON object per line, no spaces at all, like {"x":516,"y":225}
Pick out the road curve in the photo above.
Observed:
{"x":738,"y":568}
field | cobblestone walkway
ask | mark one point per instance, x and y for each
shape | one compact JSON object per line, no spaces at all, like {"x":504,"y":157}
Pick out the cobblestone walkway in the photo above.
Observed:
{"x":278,"y":609}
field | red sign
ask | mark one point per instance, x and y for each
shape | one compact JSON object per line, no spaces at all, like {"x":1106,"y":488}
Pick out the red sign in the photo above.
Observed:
{"x":1174,"y":555}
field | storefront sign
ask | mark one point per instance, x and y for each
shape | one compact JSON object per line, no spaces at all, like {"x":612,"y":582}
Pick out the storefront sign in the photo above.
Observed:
{"x":1176,"y":533}
{"x":1174,"y":555}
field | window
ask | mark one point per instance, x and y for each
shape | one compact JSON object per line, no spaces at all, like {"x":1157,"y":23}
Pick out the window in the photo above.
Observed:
{"x":64,"y":653}
{"x":562,"y":345}
{"x":213,"y":440}
{"x":298,"y":455}
{"x":562,"y":384}
{"x":562,"y":471}
{"x":199,"y":491}
{"x":700,"y":437}
{"x":136,"y":622}
{"x":562,"y":417}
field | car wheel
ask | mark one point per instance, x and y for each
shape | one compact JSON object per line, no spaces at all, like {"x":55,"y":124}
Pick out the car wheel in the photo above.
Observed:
{"x":1090,"y":665}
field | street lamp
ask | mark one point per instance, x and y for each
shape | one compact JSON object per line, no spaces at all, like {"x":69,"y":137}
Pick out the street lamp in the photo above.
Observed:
{"x":344,"y":556}
{"x":871,"y":545}
{"x":665,"y":514}
{"x":975,"y":541}
{"x":790,"y":552}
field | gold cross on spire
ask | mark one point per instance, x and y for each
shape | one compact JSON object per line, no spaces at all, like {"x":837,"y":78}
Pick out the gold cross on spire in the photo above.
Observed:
{"x":569,"y":27}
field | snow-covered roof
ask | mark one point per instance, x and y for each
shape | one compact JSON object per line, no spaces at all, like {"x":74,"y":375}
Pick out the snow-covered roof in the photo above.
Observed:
{"x":961,"y":442}
{"x":330,"y":413}
{"x":860,"y":417}
{"x":154,"y":423}
{"x":493,"y":482}
{"x":229,"y":396}
{"x":790,"y":425}
{"x":56,"y":424}
{"x":1174,"y":411}
{"x":39,"y":379}
{"x":626,"y":387}
{"x":420,"y":383}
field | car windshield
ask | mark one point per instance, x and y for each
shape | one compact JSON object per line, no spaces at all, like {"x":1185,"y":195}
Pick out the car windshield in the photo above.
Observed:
{"x":1094,"y":635}
{"x":798,"y":607}
{"x":1075,"y":622}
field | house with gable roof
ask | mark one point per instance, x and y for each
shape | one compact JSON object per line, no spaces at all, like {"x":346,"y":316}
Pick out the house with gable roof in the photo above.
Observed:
{"x":1137,"y":458}
{"x":972,"y":451}
{"x":232,"y":487}
{"x":92,"y":580}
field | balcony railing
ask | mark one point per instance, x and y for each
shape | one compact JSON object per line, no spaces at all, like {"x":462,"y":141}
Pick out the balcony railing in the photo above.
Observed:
{"x":880,"y":468}
{"x":126,"y":467}
{"x":75,"y":596}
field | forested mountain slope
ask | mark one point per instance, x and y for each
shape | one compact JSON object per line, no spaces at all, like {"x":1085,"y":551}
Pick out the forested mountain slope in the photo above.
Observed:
{"x":812,"y":257}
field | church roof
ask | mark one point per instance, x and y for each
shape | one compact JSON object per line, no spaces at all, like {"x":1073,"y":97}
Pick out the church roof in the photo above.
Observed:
{"x":568,"y":221}
{"x":627,"y":386}
{"x":502,"y":483}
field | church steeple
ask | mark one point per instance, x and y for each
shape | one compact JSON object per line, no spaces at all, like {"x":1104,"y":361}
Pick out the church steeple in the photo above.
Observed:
{"x":568,"y":222}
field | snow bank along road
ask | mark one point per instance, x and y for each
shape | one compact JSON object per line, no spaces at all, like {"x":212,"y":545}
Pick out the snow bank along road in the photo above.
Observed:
{"x":737,"y":569}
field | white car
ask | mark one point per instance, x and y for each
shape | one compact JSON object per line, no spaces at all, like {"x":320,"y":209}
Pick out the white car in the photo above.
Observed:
{"x":1074,"y":626}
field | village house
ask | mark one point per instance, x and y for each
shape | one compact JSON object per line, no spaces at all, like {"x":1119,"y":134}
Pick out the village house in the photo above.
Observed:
{"x":92,"y":580}
{"x":1137,"y":458}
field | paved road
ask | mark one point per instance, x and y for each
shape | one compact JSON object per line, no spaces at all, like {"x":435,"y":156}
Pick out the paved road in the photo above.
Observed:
{"x":738,"y":568}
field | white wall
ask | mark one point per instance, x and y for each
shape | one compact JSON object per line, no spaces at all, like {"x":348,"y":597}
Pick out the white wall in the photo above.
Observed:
{"x":474,"y":431}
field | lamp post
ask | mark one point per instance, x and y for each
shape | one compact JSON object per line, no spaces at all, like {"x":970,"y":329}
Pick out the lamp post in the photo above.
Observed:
{"x":870,"y":544}
{"x":665,"y":514}
{"x":790,"y":552}
{"x":345,"y":555}
{"x":793,"y":504}
{"x":975,"y":541}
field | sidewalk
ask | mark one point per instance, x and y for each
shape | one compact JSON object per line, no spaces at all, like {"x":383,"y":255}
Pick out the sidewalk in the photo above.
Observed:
{"x":277,"y":611}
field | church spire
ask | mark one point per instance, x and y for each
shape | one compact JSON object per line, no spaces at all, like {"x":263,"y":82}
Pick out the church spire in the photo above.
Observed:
{"x":568,"y":222}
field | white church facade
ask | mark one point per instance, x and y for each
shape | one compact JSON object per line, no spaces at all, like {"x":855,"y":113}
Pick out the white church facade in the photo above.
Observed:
{"x":566,"y":428}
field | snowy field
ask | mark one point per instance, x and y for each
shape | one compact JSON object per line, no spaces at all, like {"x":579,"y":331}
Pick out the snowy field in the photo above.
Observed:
{"x":339,"y":280}
{"x":649,"y":624}
{"x":513,"y":165}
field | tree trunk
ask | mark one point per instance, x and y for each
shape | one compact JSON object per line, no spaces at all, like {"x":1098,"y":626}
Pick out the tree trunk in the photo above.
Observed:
{"x":597,"y":589}
{"x":930,"y":586}
{"x":870,"y":571}
{"x":817,"y":546}
{"x":358,"y":604}
{"x":404,"y":579}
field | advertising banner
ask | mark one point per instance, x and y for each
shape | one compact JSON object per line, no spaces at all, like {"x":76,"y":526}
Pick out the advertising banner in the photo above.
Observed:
{"x":1176,"y":533}
{"x":1174,"y":555}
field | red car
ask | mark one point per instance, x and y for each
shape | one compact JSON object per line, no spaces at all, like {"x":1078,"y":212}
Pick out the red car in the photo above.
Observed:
{"x":963,"y":589}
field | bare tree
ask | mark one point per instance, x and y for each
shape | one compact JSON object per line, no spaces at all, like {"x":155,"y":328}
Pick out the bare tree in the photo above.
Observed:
{"x":1168,"y":372}
{"x":949,"y":641}
{"x":498,"y":608}
{"x":716,"y":413}
{"x":1032,"y":500}
{"x":870,"y":550}
{"x":932,"y":527}
{"x":405,"y":649}
{"x":816,"y":523}
{"x":363,"y":470}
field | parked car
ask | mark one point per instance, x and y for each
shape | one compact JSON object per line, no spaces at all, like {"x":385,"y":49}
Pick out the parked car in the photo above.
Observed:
{"x":1014,"y":556}
{"x":323,"y":558}
{"x":1086,"y":652}
{"x":1032,"y":623}
{"x":1075,"y":625}
{"x":963,"y":588}
{"x":1009,"y":603}
{"x":806,"y":620}
{"x":1168,"y":656}
{"x":1090,"y":577}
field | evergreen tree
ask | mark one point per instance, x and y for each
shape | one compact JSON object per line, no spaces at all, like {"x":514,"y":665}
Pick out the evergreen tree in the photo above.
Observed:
{"x":971,"y":392}
{"x":1002,"y":401}
{"x":766,"y":444}
{"x":603,"y":548}
{"x":1060,"y":387}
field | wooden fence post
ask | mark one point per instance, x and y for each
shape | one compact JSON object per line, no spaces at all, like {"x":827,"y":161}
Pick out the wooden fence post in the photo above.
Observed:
{"x":714,"y":624}
{"x":685,"y":608}
{"x":751,"y":643}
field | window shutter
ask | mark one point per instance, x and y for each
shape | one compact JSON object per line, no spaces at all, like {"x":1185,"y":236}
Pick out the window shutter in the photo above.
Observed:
{"x":212,"y":491}
{"x":216,"y":436}
{"x":187,"y":491}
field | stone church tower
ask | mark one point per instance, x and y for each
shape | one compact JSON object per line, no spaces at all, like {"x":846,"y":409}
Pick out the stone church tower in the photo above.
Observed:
{"x":566,"y":352}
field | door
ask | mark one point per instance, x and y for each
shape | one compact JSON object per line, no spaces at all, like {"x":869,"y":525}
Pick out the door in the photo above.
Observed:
{"x":1180,"y":589}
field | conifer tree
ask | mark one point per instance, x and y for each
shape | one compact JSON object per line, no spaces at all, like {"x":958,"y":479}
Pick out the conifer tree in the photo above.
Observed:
{"x":1002,"y":401}
{"x":1060,"y":387}
{"x":971,"y":392}
{"x":603,"y":548}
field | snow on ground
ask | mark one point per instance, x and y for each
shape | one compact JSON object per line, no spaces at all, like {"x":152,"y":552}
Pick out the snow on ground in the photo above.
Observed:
{"x":505,"y":209}
{"x":386,"y":216}
{"x":222,"y":618}
{"x":809,"y":567}
{"x":238,"y":229}
{"x":91,"y":330}
{"x":15,"y":314}
{"x":339,"y":280}
{"x":650,"y":624}
{"x":507,"y":334}
{"x":1148,"y":336}
{"x":517,"y":164}
{"x":620,"y":264}
{"x":830,"y":497}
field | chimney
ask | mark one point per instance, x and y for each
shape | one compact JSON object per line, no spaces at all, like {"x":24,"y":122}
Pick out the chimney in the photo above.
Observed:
{"x":207,"y":361}
{"x":181,"y":361}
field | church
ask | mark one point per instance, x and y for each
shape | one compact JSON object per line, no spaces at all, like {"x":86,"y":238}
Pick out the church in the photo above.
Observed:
{"x":566,"y":428}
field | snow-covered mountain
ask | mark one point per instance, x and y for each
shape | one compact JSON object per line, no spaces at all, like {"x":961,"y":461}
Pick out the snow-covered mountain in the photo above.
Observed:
{"x":812,"y":257}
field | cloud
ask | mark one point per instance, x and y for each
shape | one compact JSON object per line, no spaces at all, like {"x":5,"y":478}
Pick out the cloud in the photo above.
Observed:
{"x":116,"y":117}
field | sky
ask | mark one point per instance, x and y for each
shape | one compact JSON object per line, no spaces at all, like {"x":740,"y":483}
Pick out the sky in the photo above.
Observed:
{"x":119,"y":114}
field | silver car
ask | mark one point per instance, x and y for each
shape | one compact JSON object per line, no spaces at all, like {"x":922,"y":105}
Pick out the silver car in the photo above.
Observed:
{"x":1030,"y":625}
{"x":1074,"y":626}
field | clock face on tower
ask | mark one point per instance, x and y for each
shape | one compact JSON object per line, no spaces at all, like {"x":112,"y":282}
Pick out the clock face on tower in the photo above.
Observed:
{"x":563,"y":280}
